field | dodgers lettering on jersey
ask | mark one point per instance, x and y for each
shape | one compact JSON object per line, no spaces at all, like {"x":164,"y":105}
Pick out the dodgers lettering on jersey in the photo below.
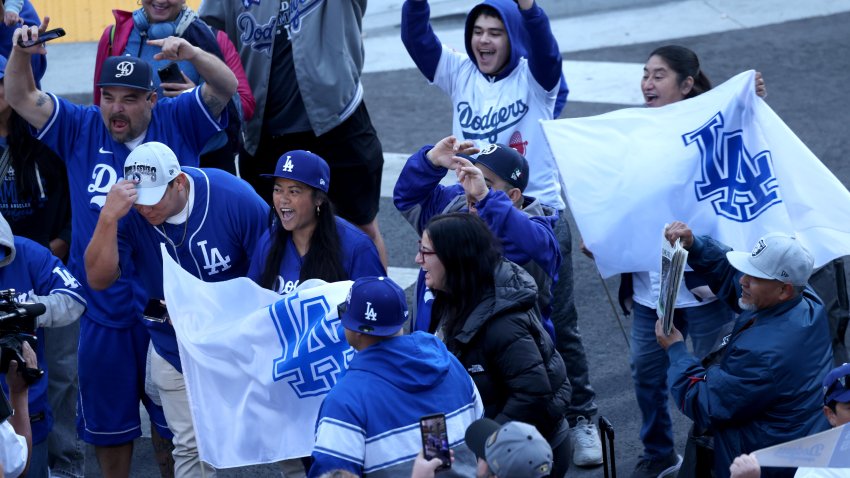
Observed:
{"x":507,"y":111}
{"x":492,"y":123}
{"x":314,"y":353}
{"x":13,"y":207}
{"x":739,"y":185}
{"x":103,"y":177}
{"x":259,"y":34}
{"x":283,"y":286}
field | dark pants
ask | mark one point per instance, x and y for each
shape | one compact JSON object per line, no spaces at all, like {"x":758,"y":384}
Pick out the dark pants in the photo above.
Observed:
{"x":353,"y":153}
{"x":831,"y":286}
{"x":567,"y":337}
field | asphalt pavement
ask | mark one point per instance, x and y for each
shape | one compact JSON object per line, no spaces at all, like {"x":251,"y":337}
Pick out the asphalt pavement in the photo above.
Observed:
{"x":799,"y":46}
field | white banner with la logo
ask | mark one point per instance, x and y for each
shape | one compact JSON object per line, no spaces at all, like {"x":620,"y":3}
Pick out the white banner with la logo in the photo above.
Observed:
{"x":722,"y":162}
{"x":257,"y":365}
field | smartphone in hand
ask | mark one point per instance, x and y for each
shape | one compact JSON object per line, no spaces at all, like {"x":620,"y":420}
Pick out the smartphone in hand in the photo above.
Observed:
{"x":42,"y":38}
{"x":155,"y":311}
{"x":170,"y":74}
{"x":435,"y":439}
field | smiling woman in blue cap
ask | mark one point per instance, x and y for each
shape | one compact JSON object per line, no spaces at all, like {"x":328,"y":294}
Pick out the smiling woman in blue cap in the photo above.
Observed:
{"x":305,"y":239}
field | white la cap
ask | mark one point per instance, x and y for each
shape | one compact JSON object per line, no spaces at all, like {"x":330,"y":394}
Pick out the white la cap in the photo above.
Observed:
{"x":775,"y":256}
{"x":153,"y":165}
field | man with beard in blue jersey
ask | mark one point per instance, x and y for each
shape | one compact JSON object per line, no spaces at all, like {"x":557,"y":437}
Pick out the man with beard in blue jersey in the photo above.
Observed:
{"x":94,"y":143}
{"x":209,"y":221}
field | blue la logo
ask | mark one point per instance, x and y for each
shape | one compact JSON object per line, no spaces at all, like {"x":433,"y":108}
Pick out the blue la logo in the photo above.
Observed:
{"x":739,"y":184}
{"x":315,"y":353}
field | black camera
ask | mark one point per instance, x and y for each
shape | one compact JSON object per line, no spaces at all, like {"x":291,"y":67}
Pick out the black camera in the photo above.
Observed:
{"x":17,"y":325}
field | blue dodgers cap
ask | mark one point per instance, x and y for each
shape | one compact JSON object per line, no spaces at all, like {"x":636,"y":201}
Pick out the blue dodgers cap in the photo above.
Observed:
{"x":375,"y":306}
{"x":127,"y":71}
{"x":303,"y":166}
{"x":836,"y":385}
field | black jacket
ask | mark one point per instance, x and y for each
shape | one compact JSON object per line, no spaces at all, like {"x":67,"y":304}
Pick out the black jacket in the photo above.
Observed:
{"x":512,"y":360}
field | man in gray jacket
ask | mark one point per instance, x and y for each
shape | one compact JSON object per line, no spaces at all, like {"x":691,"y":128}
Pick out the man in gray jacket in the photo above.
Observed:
{"x":303,"y":60}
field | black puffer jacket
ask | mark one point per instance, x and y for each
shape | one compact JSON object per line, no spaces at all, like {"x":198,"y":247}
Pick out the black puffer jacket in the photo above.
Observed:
{"x":510,"y":357}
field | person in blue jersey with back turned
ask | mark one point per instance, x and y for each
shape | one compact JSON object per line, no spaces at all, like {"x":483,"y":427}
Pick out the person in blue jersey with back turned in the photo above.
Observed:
{"x":369,"y":422}
{"x":209,"y":221}
{"x":305,"y":239}
{"x":94,"y":143}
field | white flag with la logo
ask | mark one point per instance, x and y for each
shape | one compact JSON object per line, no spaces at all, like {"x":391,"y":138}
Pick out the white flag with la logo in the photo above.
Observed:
{"x":722,"y":162}
{"x":257,"y":365}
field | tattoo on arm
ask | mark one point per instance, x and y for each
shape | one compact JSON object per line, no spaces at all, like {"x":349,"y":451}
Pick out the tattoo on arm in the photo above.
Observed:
{"x":213,"y":102}
{"x":42,"y":99}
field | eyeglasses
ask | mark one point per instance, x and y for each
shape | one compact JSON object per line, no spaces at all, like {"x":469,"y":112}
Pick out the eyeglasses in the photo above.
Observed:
{"x":838,"y":381}
{"x":424,"y":252}
{"x":340,"y":309}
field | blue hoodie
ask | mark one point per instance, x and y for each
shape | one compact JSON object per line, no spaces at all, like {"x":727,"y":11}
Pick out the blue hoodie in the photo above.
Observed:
{"x":541,"y":49}
{"x":527,"y":235}
{"x":369,"y":422}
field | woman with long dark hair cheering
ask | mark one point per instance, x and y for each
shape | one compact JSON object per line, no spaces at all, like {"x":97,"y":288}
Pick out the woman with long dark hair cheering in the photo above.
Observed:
{"x":484,"y":310}
{"x":306,"y":240}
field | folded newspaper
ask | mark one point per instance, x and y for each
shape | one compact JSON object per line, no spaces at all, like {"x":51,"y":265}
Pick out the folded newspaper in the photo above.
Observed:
{"x":674,"y":257}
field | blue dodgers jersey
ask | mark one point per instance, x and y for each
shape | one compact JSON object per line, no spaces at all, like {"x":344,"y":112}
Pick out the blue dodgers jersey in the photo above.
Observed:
{"x":36,"y":271}
{"x":95,"y":162}
{"x":359,"y":258}
{"x":226,"y":220}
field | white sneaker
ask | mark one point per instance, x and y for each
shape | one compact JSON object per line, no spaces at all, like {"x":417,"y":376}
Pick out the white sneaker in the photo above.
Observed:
{"x":587,"y":449}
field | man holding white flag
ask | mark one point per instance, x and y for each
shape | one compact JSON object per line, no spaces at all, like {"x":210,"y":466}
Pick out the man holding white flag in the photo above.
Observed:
{"x":209,"y":220}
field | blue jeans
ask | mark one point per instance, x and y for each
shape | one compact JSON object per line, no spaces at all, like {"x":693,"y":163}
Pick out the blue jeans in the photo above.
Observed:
{"x":38,"y":461}
{"x":705,"y":324}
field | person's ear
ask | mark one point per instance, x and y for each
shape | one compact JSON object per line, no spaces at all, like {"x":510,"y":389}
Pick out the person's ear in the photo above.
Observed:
{"x":686,"y":86}
{"x":787,"y":292}
{"x":515,"y":195}
{"x":830,"y":416}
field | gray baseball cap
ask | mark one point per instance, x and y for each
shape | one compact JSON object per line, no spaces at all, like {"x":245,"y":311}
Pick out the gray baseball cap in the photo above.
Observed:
{"x":512,"y":450}
{"x":775,"y":256}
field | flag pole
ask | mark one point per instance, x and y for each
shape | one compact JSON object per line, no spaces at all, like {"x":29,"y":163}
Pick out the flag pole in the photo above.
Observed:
{"x":614,"y":308}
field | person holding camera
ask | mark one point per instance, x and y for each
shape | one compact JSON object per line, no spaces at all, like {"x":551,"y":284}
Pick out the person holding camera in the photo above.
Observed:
{"x":15,"y":430}
{"x":29,"y":272}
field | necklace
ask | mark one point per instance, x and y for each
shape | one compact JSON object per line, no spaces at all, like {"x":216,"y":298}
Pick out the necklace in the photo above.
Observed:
{"x":185,"y":223}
